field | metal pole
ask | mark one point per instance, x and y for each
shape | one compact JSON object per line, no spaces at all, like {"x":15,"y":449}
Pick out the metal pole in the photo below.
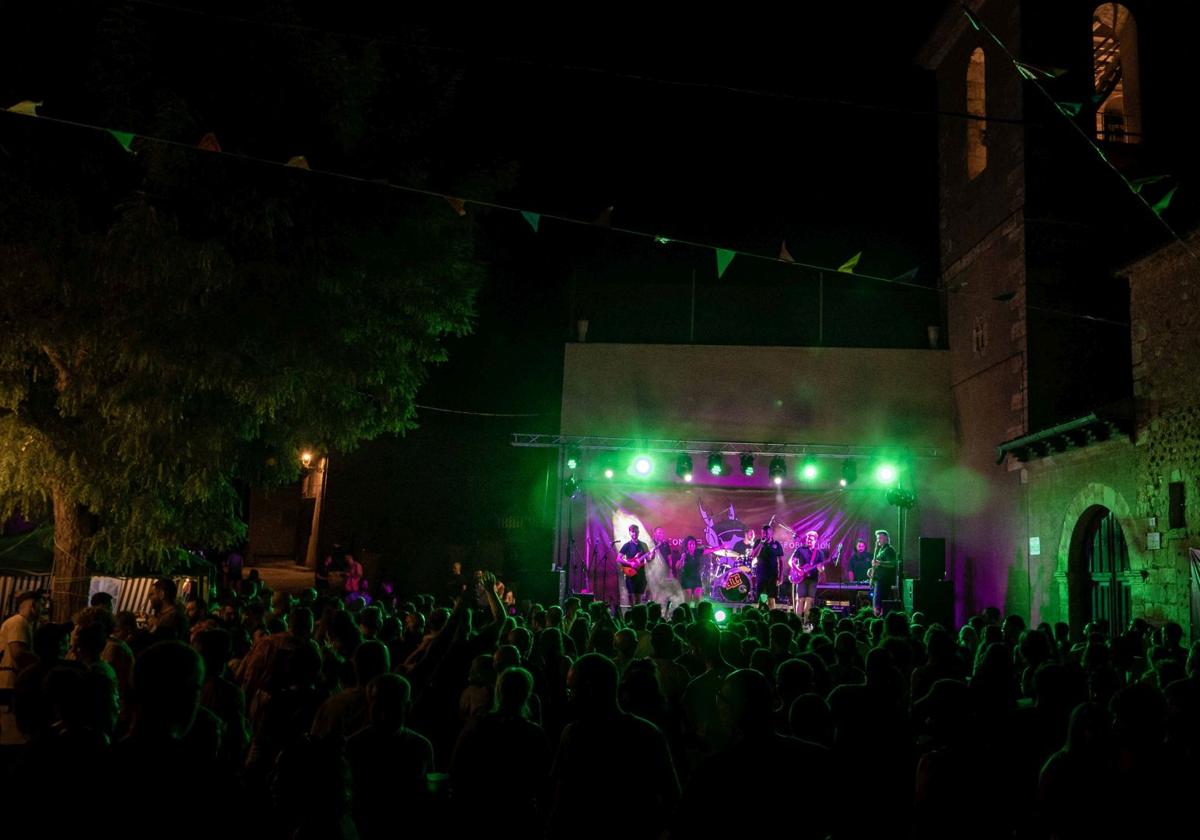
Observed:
{"x":821,"y":309}
{"x":692,"y":328}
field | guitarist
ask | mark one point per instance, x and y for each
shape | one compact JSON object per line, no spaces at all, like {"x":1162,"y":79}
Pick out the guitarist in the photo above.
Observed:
{"x":768,"y":553}
{"x":806,"y":568}
{"x":634,"y":555}
{"x":883,"y":570}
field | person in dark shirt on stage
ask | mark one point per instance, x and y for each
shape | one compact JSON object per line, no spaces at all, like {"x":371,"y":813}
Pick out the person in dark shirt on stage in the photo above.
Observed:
{"x":883,"y":566}
{"x":634,"y":555}
{"x":690,"y":563}
{"x":860,"y":562}
{"x":805,"y":571}
{"x":768,"y":554}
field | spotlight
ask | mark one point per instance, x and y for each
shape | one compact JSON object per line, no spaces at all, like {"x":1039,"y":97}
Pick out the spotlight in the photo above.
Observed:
{"x":608,"y":472}
{"x":642,"y":465}
{"x":574,"y":456}
{"x":778,"y":470}
{"x":842,"y":482}
{"x":570,"y":487}
{"x":748,"y":464}
{"x":809,"y":471}
{"x":716,"y":465}
{"x":720,"y":615}
{"x":849,"y":471}
{"x":901,"y":498}
{"x":683,"y":466}
{"x":886,"y":474}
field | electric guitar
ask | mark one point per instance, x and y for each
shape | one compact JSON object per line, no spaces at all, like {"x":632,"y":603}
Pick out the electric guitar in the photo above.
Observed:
{"x":799,"y":573}
{"x":631,"y":565}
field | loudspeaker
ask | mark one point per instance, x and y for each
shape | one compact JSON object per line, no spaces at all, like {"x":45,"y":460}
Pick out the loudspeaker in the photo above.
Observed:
{"x":935,"y":598}
{"x":933,"y":558}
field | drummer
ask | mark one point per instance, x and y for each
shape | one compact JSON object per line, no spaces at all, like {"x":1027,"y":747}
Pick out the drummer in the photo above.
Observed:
{"x":768,"y":553}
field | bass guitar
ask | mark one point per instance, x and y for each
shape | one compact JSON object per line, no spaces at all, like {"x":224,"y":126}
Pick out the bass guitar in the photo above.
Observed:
{"x":631,"y":565}
{"x":799,"y":573}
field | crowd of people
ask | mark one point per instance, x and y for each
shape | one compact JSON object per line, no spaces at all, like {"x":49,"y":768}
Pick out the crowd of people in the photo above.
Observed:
{"x":272,"y":715}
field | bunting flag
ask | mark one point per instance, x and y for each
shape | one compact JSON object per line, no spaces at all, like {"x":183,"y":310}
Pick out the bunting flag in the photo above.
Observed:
{"x":298,"y":162}
{"x":724,"y":258}
{"x":849,"y":265}
{"x":1071,"y":109}
{"x":534,"y":219}
{"x":1137,"y":183}
{"x":1032,"y":71}
{"x":26,"y":107}
{"x":1164,"y":202}
{"x":974,"y":21}
{"x":911,"y":274}
{"x":605,"y":218}
{"x":459,"y":206}
{"x":125,"y":138}
{"x":209,"y":143}
{"x":784,"y":254}
{"x":662,"y":240}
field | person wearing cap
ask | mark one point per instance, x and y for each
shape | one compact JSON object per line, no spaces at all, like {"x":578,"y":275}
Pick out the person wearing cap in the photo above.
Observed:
{"x":883,"y":566}
{"x":16,"y":647}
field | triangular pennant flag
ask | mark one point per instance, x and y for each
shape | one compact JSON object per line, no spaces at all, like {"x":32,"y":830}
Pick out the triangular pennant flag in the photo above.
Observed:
{"x":534,"y":219}
{"x":299,"y":162}
{"x":605,"y":218}
{"x":849,"y":265}
{"x":974,"y":21}
{"x":724,"y":258}
{"x":911,"y":274}
{"x":662,"y":240}
{"x":1137,"y":183}
{"x":26,"y":107}
{"x":209,"y":143}
{"x":1164,"y":202}
{"x":784,"y":254}
{"x":1034,"y":71}
{"x":124,"y":138}
{"x":460,"y":206}
{"x":1071,"y":109}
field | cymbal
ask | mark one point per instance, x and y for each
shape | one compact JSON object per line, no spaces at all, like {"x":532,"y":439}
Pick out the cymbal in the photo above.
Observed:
{"x":785,"y":527}
{"x":726,"y":552}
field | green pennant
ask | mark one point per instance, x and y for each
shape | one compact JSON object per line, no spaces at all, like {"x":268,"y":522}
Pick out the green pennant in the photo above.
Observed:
{"x":911,"y":274}
{"x":974,"y":21}
{"x":124,"y":138}
{"x":1070,"y":109}
{"x":1025,"y":72}
{"x":534,"y":219}
{"x":849,"y":265}
{"x":724,"y":258}
{"x":1164,"y":202}
{"x":662,"y":240}
{"x":1138,"y":183}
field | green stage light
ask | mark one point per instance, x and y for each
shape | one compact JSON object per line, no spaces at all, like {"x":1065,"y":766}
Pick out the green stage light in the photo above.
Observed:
{"x":574,"y":456}
{"x":849,"y":472}
{"x":809,"y":471}
{"x":886,"y":474}
{"x":643,"y":465}
{"x":570,"y":487}
{"x":720,"y":616}
{"x":716,"y":465}
{"x":748,"y":464}
{"x":608,"y":473}
{"x":683,"y":466}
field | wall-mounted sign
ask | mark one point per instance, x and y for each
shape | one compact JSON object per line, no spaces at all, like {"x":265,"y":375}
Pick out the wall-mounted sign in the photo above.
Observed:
{"x":1153,"y":541}
{"x":1035,"y":546}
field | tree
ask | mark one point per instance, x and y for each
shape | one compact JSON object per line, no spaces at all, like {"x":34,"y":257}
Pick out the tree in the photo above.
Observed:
{"x":174,"y":322}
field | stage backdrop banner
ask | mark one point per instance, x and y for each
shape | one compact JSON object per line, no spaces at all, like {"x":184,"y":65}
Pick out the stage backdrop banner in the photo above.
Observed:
{"x":839,"y":518}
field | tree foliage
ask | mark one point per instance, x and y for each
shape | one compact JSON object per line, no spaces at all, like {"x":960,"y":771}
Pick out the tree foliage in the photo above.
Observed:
{"x":174,"y":322}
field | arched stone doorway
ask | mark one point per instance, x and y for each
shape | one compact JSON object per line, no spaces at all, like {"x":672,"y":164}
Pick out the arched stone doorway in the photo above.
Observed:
{"x":1099,"y":579}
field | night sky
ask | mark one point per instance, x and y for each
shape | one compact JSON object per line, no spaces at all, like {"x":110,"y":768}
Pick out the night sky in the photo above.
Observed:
{"x":721,"y":130}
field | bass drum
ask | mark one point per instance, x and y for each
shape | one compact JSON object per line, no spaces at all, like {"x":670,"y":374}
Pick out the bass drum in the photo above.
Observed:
{"x":734,"y":585}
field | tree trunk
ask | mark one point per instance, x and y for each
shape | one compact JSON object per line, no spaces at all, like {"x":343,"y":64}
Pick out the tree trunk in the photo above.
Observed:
{"x":69,"y":579}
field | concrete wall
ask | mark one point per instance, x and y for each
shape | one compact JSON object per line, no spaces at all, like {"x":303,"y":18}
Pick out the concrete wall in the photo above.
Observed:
{"x":865,"y":397}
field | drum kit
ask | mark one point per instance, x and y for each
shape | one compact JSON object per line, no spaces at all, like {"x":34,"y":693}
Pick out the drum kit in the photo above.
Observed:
{"x":729,"y":575}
